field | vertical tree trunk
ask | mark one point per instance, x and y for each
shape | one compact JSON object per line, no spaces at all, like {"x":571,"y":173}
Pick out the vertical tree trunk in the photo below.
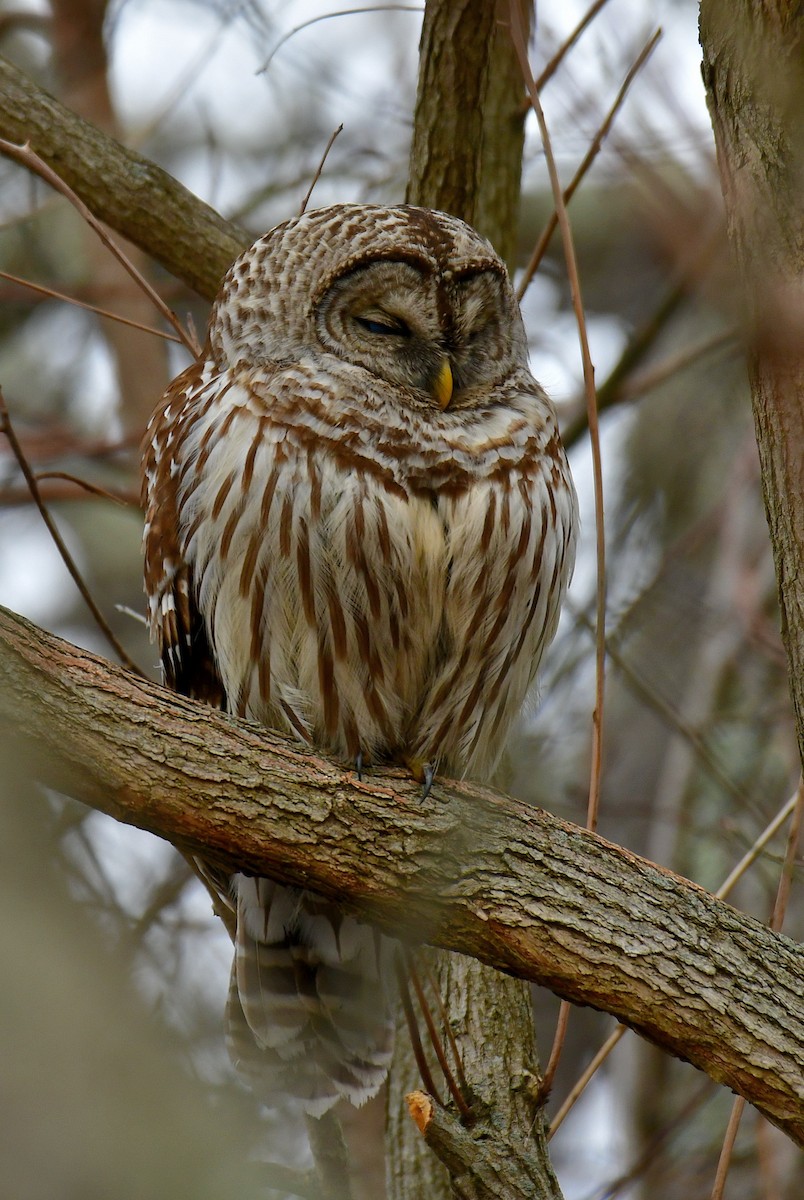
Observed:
{"x":466,"y":159}
{"x":753,"y":69}
{"x":469,"y":124}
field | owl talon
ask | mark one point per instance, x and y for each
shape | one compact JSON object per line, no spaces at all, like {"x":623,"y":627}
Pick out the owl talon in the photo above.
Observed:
{"x":359,"y":765}
{"x":422,"y":772}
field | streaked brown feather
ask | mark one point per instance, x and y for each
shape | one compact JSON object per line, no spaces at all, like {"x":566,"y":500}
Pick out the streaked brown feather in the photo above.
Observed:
{"x":331,"y":554}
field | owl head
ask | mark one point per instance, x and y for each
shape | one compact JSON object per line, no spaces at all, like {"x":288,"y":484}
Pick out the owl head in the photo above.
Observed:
{"x":415,"y":297}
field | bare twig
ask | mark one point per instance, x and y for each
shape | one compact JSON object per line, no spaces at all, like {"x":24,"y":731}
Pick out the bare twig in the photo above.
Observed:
{"x":320,"y":168}
{"x":788,"y":867}
{"x":413,"y":1029}
{"x":7,"y":428}
{"x":590,"y":156}
{"x":784,"y":814}
{"x":610,"y":392}
{"x":660,"y":1140}
{"x":580,"y":1085}
{"x":727,"y":1148}
{"x":446,"y":1025}
{"x":100,"y":312}
{"x":518,"y":38}
{"x":727,"y":343}
{"x":343,"y":12}
{"x":555,"y":62}
{"x":559,"y":1037}
{"x":30,"y":159}
{"x":85,"y":485}
{"x":435,"y":1040}
{"x":56,"y":493}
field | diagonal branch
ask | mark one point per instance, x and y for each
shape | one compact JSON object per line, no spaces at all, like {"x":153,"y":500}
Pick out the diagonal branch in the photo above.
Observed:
{"x":472,"y":871}
{"x":123,"y":189}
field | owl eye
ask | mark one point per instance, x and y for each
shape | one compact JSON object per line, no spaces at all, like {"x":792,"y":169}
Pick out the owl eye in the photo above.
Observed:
{"x":393,"y":327}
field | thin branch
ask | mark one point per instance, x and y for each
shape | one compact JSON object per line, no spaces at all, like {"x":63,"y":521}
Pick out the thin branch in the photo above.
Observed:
{"x":728,"y":342}
{"x":59,"y":492}
{"x":590,"y":156}
{"x":7,"y":428}
{"x":519,"y":41}
{"x":659,"y":1142}
{"x":343,"y":12}
{"x":28,"y":158}
{"x":518,"y":37}
{"x":320,"y":168}
{"x":446,"y":1025}
{"x":546,"y":1085}
{"x":555,"y":62}
{"x":784,"y":814}
{"x":727,"y":1148}
{"x":94,"y":490}
{"x":52,"y":294}
{"x":455,"y":1091}
{"x":579,"y":1086}
{"x":654,"y":700}
{"x":401,"y":970}
{"x":788,"y":867}
{"x":611,"y":393}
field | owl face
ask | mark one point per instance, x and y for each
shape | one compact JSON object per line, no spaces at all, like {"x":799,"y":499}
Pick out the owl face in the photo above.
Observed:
{"x":416,"y":298}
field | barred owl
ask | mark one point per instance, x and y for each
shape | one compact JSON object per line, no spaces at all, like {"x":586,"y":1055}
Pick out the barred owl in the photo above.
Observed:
{"x":360,"y":525}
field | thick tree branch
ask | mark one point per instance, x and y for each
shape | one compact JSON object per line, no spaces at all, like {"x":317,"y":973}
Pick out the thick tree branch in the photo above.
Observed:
{"x":123,"y":189}
{"x":471,"y":870}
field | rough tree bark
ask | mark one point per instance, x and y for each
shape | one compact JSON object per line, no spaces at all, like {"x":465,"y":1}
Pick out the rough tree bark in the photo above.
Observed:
{"x":469,"y":122}
{"x":473,"y":871}
{"x":753,"y":69}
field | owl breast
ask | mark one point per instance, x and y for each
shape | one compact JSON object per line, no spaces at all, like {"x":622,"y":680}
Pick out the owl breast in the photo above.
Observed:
{"x":322,"y":586}
{"x":351,"y":605}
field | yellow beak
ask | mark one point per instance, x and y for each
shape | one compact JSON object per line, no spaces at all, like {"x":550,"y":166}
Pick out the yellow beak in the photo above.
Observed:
{"x":442,"y":385}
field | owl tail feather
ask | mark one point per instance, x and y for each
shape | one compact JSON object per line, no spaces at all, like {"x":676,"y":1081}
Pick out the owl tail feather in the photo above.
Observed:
{"x":307,"y":1016}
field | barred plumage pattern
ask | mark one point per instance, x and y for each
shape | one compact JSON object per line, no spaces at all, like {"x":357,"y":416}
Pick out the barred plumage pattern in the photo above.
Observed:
{"x":360,"y":526}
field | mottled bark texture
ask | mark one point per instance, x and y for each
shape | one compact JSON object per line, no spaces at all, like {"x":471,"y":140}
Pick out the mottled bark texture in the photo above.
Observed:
{"x":471,"y":870}
{"x":753,"y":69}
{"x":123,"y":189}
{"x":469,"y":123}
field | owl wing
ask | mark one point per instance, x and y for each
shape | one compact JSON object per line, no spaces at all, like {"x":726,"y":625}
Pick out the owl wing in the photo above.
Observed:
{"x":306,"y":1018}
{"x":175,"y":622}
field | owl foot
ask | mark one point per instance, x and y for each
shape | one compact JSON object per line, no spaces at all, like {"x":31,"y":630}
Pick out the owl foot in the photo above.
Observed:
{"x":422,"y":772}
{"x":359,"y":765}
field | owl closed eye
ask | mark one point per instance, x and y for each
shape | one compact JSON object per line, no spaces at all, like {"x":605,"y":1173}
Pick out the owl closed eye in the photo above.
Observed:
{"x":404,"y":320}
